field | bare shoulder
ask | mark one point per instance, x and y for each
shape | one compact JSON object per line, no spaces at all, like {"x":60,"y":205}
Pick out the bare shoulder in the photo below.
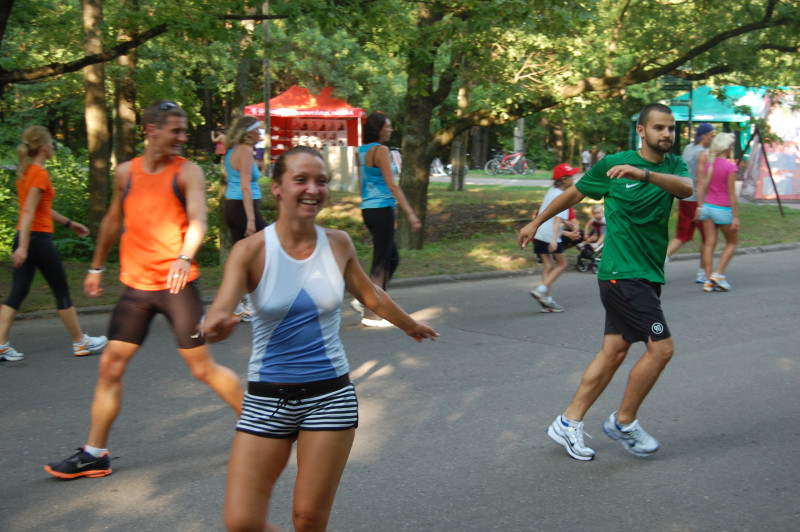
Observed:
{"x":192,"y":173}
{"x":248,"y":248}
{"x":122,"y":169}
{"x":341,"y":244}
{"x":337,"y":237}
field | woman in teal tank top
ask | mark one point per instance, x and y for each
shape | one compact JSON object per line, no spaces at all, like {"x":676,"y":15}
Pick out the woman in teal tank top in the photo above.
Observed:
{"x":243,"y":195}
{"x":379,"y":195}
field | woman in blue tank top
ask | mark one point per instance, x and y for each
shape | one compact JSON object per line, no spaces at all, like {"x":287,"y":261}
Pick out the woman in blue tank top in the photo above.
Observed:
{"x":298,"y":380}
{"x":379,"y":195}
{"x":243,"y":195}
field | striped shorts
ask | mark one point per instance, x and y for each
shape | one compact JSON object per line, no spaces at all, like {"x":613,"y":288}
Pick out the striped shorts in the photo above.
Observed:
{"x":283,"y":410}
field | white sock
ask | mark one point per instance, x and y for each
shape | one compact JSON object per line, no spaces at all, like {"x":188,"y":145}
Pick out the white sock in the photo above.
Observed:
{"x":568,"y":421}
{"x":94,"y":451}
{"x":82,"y":340}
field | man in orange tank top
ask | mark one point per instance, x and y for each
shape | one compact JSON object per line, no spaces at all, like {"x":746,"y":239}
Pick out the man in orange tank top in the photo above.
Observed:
{"x":159,"y":201}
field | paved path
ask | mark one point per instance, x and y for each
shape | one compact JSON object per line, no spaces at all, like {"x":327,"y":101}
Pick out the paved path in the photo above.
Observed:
{"x":452,"y":432}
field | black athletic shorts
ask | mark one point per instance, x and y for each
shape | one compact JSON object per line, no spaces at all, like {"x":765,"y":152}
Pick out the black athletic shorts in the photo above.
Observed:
{"x":543,"y":248}
{"x":633,"y":309}
{"x":136,"y":309}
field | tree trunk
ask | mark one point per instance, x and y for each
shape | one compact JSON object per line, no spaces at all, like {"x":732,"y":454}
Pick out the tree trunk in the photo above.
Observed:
{"x":416,"y":156}
{"x":96,"y":113}
{"x":125,"y":97}
{"x":558,"y":142}
{"x":519,"y":135}
{"x":458,"y":153}
{"x":478,"y":151}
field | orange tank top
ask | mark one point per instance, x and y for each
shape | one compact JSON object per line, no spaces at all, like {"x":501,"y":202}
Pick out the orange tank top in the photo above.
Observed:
{"x":155,"y":224}
{"x":37,"y":177}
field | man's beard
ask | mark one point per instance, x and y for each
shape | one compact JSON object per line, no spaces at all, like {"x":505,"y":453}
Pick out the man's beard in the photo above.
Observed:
{"x":658,"y":146}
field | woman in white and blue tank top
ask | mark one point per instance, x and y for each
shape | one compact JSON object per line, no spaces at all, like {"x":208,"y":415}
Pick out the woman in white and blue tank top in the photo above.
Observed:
{"x":299,"y":387}
{"x":379,"y":195}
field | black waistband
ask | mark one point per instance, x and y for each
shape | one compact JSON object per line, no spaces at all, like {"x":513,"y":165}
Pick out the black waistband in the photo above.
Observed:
{"x":307,"y":389}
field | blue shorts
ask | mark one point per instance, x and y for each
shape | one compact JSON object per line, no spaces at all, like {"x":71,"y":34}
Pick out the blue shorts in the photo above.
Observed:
{"x":719,"y":215}
{"x":283,"y":410}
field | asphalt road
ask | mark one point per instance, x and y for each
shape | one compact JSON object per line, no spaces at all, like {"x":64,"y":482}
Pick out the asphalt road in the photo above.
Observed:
{"x":452,"y":432}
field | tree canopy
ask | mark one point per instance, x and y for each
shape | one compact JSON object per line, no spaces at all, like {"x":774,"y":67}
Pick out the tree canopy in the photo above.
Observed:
{"x":574,"y":62}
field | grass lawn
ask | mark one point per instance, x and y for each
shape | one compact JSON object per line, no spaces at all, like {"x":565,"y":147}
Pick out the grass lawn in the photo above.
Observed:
{"x":471,"y":231}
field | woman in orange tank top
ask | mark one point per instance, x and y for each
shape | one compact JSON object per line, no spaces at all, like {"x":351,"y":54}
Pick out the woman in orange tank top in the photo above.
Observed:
{"x":34,"y":249}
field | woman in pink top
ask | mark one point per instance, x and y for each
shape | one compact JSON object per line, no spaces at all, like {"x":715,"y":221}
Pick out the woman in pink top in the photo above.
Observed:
{"x":717,"y":208}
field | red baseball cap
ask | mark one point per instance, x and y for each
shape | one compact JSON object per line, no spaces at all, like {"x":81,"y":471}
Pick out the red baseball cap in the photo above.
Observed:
{"x":563,"y":170}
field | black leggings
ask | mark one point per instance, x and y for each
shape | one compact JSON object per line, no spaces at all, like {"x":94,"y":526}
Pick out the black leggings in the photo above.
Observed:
{"x":385,"y":257}
{"x":236,"y":218}
{"x":42,"y":254}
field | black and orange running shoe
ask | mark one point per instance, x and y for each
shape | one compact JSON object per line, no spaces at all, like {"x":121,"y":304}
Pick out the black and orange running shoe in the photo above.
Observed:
{"x":80,"y":464}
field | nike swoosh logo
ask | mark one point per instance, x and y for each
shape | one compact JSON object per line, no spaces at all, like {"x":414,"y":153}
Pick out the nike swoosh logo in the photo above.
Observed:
{"x":631,"y":185}
{"x":83,"y":464}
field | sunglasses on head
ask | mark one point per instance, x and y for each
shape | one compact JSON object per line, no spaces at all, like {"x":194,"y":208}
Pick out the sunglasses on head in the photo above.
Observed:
{"x":167,"y":106}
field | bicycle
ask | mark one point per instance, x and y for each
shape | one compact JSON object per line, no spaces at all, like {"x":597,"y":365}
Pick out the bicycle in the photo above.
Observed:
{"x":511,"y":163}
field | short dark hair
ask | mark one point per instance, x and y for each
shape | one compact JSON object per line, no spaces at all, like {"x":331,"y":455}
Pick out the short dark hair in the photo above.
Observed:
{"x":157,"y":112}
{"x":644,"y":115}
{"x":280,"y":164}
{"x":373,"y":126}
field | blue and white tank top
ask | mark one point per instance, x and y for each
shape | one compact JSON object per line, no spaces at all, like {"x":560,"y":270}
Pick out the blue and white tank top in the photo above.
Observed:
{"x":234,"y":189}
{"x":296,"y":317}
{"x":375,"y":194}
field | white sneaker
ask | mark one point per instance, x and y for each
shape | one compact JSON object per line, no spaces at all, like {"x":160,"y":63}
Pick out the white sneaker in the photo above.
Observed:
{"x":90,"y":345}
{"x":243,"y":313}
{"x":369,"y":322}
{"x":571,"y":438}
{"x":701,"y":277}
{"x":357,"y":306}
{"x":9,"y":353}
{"x":720,"y":282}
{"x":632,"y":437}
{"x":540,"y":294}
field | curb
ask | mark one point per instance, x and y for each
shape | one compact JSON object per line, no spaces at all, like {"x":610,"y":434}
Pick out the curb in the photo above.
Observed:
{"x":439,"y":279}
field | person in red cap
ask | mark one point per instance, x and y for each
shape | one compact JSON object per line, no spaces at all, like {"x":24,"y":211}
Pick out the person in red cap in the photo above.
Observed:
{"x":547,"y":241}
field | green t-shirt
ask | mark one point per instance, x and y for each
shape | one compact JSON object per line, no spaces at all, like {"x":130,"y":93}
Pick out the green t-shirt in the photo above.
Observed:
{"x":637,"y":217}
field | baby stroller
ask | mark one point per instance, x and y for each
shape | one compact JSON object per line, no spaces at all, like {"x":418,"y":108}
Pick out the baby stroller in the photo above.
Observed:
{"x":589,"y":258}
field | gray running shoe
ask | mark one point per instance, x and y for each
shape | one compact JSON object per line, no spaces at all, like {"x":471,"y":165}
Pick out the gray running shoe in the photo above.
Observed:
{"x":571,"y":438}
{"x":634,"y":439}
{"x":552,"y":306}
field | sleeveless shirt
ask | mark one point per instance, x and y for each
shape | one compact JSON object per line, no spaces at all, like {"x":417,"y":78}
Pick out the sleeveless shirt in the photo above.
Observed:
{"x":375,"y":193}
{"x":154,"y":227}
{"x":297,"y":306}
{"x":234,"y":189}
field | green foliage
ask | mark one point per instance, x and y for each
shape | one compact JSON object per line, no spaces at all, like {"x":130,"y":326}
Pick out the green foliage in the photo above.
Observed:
{"x":8,"y":209}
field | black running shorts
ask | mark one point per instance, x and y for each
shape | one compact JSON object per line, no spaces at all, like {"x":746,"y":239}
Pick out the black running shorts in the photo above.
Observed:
{"x":541,"y":247}
{"x":136,"y":309}
{"x":633,"y":309}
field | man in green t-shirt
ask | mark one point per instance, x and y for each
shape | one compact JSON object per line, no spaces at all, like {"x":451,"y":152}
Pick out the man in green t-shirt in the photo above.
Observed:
{"x":637,"y":188}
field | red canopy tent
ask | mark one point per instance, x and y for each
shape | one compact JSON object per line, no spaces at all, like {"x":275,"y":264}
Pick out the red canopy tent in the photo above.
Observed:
{"x":298,"y":117}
